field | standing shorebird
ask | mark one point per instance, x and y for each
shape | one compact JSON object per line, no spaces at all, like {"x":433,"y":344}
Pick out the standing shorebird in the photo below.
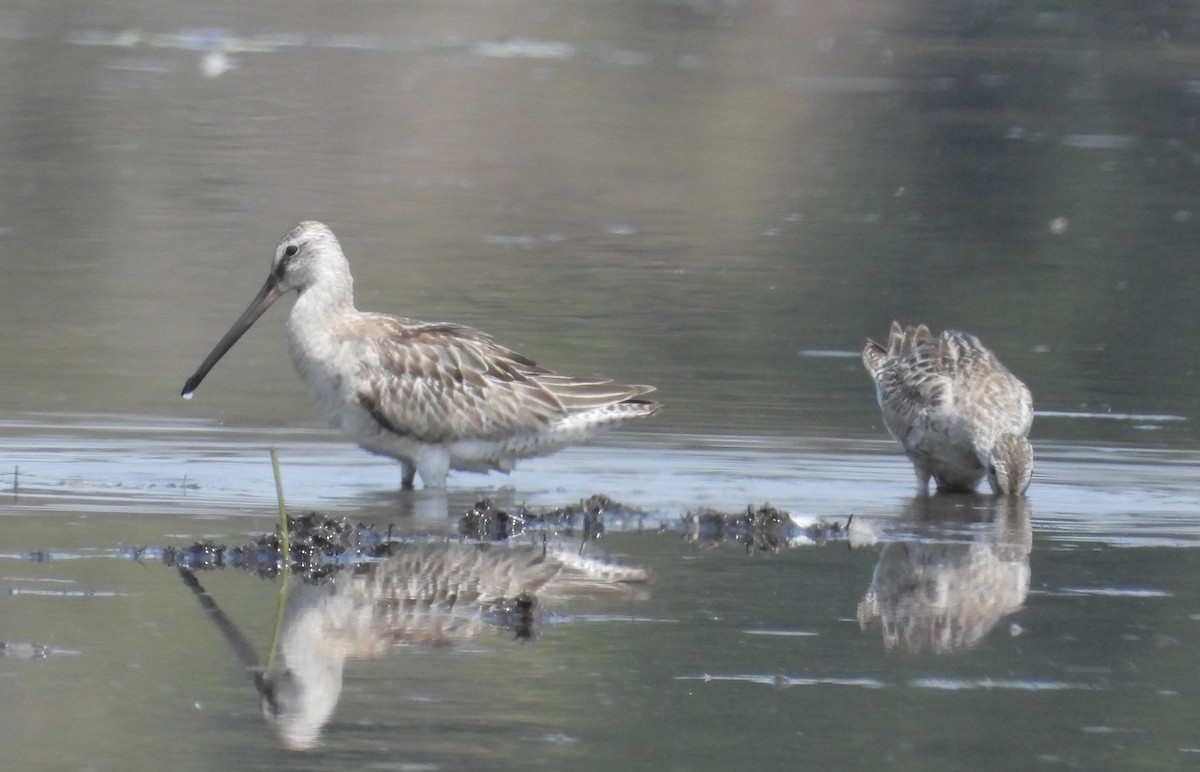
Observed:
{"x":436,"y":396}
{"x":957,"y":412}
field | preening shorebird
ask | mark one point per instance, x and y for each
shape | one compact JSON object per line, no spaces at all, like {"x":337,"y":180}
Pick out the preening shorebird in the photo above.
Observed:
{"x":958,"y":413}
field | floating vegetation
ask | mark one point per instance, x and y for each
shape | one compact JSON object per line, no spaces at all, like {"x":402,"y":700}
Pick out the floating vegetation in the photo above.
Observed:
{"x":486,"y":522}
{"x":319,"y":545}
{"x":587,"y":519}
{"x":765,"y":529}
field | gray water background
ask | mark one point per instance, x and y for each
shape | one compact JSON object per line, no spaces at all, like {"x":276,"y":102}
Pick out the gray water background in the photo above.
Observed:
{"x":721,"y":199}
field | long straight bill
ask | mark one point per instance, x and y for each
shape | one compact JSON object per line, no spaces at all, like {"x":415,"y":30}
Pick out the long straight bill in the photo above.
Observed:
{"x":269,"y":293}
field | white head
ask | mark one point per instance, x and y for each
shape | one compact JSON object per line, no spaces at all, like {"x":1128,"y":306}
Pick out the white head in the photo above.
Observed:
{"x":308,"y":256}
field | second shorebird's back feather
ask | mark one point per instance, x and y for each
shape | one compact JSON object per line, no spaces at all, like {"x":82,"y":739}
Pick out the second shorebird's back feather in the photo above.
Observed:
{"x":946,"y":400}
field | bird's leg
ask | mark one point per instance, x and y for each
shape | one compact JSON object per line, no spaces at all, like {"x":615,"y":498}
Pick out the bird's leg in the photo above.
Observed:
{"x":408,"y":473}
{"x":921,"y":467}
{"x":433,"y":464}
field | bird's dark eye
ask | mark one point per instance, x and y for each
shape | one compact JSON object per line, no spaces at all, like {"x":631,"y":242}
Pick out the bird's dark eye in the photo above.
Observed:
{"x":291,"y":250}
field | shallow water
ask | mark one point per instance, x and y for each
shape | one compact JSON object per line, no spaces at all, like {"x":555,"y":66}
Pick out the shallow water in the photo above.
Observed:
{"x":1070,"y":617}
{"x":721,"y":199}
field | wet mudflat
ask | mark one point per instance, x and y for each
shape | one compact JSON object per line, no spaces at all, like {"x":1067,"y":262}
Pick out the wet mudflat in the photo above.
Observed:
{"x":1067,"y":616}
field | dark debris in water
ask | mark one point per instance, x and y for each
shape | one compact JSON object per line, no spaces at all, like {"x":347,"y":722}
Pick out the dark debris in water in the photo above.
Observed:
{"x":587,"y":519}
{"x":323,"y":544}
{"x":320,"y":545}
{"x":765,"y":529}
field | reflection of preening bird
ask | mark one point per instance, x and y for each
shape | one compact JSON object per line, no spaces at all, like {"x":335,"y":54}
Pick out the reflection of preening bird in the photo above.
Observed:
{"x":958,"y":413}
{"x":435,"y":396}
{"x":947,"y":593}
{"x":432,"y":594}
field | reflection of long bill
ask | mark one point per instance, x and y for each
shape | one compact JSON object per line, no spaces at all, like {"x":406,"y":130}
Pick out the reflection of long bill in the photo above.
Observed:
{"x":237,"y":641}
{"x":269,"y":293}
{"x":430,"y":594}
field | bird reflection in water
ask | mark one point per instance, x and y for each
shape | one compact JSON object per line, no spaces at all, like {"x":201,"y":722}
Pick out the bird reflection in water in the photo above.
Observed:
{"x":430,"y":594}
{"x":946,"y":592}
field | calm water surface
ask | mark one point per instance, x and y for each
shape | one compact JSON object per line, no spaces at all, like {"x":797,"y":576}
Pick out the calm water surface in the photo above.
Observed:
{"x":722,"y":199}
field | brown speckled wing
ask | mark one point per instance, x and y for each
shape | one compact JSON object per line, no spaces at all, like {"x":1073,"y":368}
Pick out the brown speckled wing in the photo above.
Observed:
{"x":437,"y":381}
{"x":916,"y":385}
{"x":992,"y":399}
{"x":918,"y":378}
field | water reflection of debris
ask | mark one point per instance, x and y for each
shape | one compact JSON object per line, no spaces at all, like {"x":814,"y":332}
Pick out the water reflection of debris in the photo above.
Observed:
{"x":320,"y":544}
{"x":767,"y":529}
{"x":421,"y":593}
{"x":24,"y":650}
{"x":946,"y":592}
{"x":762,"y":529}
{"x":588,"y":520}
